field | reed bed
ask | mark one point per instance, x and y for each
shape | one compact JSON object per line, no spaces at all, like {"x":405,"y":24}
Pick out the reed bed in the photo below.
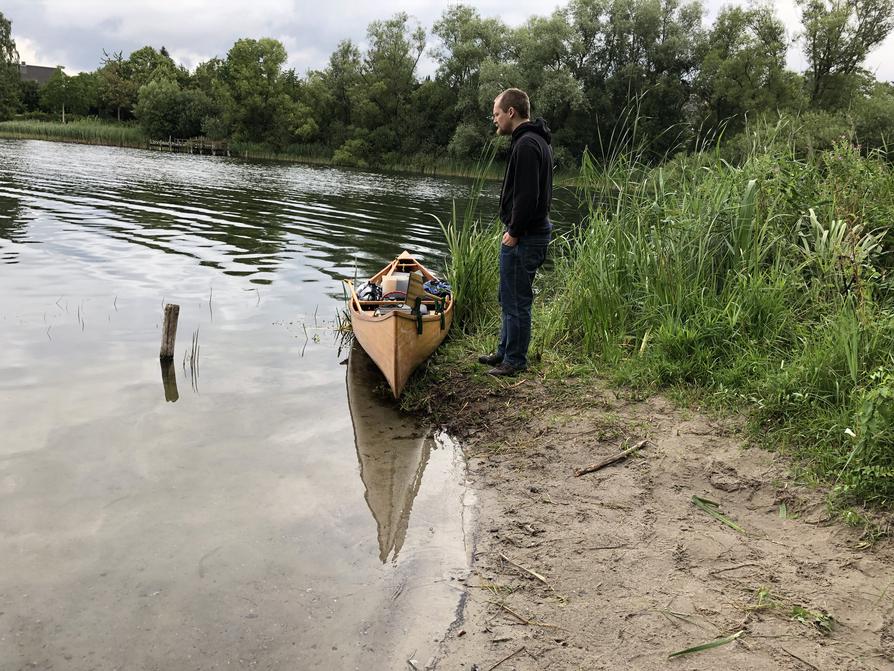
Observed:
{"x":763,"y":286}
{"x":473,"y":242}
{"x":766,"y":283}
{"x":418,"y":165}
{"x":83,"y":131}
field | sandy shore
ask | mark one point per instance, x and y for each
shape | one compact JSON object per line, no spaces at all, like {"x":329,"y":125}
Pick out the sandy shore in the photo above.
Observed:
{"x":617,"y":569}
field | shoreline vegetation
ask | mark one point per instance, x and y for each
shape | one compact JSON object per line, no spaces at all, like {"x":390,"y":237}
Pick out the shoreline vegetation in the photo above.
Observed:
{"x":370,"y":105}
{"x":114,"y":134}
{"x":762,"y":289}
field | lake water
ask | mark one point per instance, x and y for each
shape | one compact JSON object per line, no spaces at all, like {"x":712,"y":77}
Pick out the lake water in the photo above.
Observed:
{"x":244,"y":516}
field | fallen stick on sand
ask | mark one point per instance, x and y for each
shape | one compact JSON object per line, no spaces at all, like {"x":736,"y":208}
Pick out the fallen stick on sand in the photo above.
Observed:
{"x":523,"y":620}
{"x":507,"y":657}
{"x":526,"y":570}
{"x":803,"y":661}
{"x":533,"y":574}
{"x":608,"y":462}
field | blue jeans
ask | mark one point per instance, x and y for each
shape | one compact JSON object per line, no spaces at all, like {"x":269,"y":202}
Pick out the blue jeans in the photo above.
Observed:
{"x":518,"y":265}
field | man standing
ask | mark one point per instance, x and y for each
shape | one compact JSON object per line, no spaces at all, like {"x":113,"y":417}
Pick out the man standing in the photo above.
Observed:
{"x":524,"y":210}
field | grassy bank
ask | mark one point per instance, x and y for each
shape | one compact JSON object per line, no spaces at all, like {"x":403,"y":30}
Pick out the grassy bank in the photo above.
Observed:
{"x":84,"y":131}
{"x":417,"y":165}
{"x":764,"y":287}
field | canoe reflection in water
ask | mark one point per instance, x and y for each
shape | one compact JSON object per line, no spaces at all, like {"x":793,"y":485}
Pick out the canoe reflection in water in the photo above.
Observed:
{"x":392,"y":450}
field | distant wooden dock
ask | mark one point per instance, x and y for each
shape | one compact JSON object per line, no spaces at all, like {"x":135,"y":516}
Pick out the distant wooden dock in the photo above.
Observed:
{"x":196,"y":145}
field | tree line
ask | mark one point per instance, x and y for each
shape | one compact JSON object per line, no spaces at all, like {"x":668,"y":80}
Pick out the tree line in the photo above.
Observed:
{"x":586,"y":66}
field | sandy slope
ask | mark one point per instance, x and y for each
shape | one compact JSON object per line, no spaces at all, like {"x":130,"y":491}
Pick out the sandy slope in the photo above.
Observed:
{"x":631,"y":569}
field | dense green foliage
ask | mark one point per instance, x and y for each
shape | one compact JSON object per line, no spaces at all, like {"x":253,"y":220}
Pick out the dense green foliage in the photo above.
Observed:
{"x":768,"y":283}
{"x":474,"y":244}
{"x":768,"y":286}
{"x":9,"y":58}
{"x":583,"y":64}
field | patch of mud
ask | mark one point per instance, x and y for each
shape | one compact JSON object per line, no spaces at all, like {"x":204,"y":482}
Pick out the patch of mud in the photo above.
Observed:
{"x":617,"y":569}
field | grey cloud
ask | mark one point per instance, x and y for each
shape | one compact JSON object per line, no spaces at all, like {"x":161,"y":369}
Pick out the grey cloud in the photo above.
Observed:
{"x":310,"y":32}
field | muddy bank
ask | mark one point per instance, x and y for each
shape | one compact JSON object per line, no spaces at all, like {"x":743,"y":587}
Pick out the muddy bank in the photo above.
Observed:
{"x":617,"y":569}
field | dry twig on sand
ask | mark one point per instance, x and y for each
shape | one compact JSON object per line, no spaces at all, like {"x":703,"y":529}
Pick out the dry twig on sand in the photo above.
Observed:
{"x":526,"y":570}
{"x":607,"y":462}
{"x":507,"y":657}
{"x":803,"y":661}
{"x":524,"y":620}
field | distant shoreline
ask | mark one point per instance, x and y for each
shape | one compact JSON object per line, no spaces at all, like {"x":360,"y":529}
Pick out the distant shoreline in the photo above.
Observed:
{"x":113,"y":135}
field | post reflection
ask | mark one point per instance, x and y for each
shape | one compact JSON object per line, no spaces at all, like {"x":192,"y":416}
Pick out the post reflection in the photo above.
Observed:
{"x":169,"y":381}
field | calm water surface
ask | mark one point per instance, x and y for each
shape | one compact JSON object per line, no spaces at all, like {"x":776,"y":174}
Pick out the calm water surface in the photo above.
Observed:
{"x":278,"y":514}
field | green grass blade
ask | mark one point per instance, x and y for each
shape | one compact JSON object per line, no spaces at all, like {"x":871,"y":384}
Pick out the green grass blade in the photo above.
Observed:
{"x":714,"y":511}
{"x":707,"y":646}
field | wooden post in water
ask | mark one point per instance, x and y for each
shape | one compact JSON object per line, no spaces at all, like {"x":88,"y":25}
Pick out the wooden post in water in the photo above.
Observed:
{"x":169,"y":332}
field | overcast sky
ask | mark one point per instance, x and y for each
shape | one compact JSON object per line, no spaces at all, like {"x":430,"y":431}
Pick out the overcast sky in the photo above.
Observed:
{"x":74,"y":34}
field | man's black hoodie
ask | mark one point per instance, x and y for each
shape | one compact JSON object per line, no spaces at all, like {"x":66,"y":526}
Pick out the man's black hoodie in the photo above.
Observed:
{"x":528,"y":182}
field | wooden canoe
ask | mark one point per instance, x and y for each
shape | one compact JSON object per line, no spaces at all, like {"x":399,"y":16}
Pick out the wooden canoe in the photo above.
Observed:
{"x":392,"y":339}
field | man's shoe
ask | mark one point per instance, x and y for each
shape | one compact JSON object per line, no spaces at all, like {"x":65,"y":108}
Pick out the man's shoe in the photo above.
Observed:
{"x":504,"y":370}
{"x":490,"y":359}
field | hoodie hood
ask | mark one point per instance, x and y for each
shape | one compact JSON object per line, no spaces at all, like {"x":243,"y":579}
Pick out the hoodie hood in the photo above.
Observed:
{"x":537,"y":126}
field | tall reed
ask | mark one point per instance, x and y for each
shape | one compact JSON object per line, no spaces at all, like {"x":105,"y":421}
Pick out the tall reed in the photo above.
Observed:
{"x":472,"y":264}
{"x":84,"y":131}
{"x":767,"y":282}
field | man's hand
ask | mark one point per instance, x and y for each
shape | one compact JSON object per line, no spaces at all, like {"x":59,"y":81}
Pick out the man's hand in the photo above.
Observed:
{"x":508,"y":240}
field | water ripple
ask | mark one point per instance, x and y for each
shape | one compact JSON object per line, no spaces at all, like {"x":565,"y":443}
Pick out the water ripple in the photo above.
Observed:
{"x":244,"y":218}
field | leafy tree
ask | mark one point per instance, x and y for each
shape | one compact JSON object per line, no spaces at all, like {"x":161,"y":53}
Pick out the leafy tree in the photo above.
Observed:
{"x":838,"y":36}
{"x":69,"y":95}
{"x":86,"y":98}
{"x":495,"y":77}
{"x":383,"y":97}
{"x":156,"y":108}
{"x":193,"y":108}
{"x":433,"y":126}
{"x":328,"y":93}
{"x":117,"y":89}
{"x":208,"y":78}
{"x":208,"y":75}
{"x":147,"y":64}
{"x":9,"y":70}
{"x":467,"y":41}
{"x":166,"y":110}
{"x":874,"y":117}
{"x":256,"y":101}
{"x":542,"y":49}
{"x":743,"y":69}
{"x":621,"y":51}
{"x":56,"y":94}
{"x":29,"y":96}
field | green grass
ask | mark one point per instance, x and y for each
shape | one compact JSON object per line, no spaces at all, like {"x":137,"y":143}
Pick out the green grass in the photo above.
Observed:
{"x":417,"y":165}
{"x":764,"y":286}
{"x":84,"y":131}
{"x":474,"y":245}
